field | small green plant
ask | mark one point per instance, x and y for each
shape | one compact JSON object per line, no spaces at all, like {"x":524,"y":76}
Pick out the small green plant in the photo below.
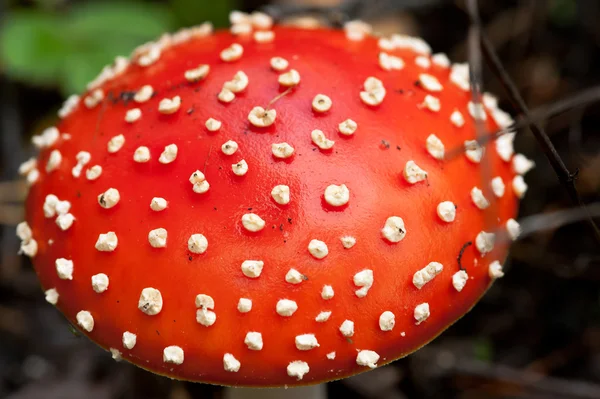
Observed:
{"x":68,"y":48}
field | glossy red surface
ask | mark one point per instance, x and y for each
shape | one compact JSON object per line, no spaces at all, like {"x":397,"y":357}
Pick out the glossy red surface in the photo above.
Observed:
{"x":370,"y":163}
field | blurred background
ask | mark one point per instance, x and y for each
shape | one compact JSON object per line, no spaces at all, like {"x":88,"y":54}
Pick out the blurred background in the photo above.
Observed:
{"x":536,"y":334}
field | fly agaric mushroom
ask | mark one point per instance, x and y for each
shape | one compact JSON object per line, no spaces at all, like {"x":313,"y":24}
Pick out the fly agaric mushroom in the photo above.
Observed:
{"x":274,"y":209}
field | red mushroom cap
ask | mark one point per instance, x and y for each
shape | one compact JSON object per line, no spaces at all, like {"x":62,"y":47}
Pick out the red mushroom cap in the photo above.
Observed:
{"x":273,"y":208}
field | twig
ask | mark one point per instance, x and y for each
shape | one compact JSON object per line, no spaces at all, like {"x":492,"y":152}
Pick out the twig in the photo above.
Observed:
{"x":476,"y":80}
{"x":566,"y":178}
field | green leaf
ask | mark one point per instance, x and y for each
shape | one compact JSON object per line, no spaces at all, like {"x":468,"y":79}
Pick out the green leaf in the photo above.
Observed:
{"x":70,"y":50}
{"x":32,"y":46}
{"x":483,"y":350}
{"x":106,"y":21}
{"x":193,"y":12}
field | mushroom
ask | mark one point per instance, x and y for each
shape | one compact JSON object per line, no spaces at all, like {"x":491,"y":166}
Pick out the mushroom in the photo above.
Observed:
{"x":296,"y":261}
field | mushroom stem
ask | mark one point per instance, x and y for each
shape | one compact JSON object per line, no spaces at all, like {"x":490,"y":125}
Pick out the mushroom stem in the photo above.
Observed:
{"x":309,"y":392}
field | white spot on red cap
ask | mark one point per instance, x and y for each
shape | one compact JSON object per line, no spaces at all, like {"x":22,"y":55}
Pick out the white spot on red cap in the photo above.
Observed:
{"x":432,"y":103}
{"x":348,"y":241}
{"x":430,"y":82}
{"x":485,"y":242}
{"x":364,"y":280}
{"x":198,"y":73}
{"x":252,"y":222}
{"x":133,"y":115}
{"x":393,"y":229}
{"x":347,"y":127}
{"x":441,"y":60}
{"x":459,"y":75}
{"x":244,"y":305}
{"x":387,"y":321}
{"x":263,"y":36}
{"x":318,"y":249}
{"x":252,"y":268}
{"x":151,"y":301}
{"x":459,"y":280}
{"x":290,"y":78}
{"x":319,"y":139}
{"x":173,"y":354}
{"x":169,"y":154}
{"x":446,"y":210}
{"x":141,"y":154}
{"x":229,"y":147}
{"x":260,"y":117}
{"x":94,"y":172}
{"x":199,"y":182}
{"x":282,"y":150}
{"x":293,"y":276}
{"x":422,"y":312}
{"x":495,"y":270}
{"x":24,"y":231}
{"x":327,"y":292}
{"x":478,"y":198}
{"x":100,"y":282}
{"x":107,"y":242}
{"x":425,"y":275}
{"x":473,"y":151}
{"x":129,"y":340}
{"x":169,"y":105}
{"x":423,"y":62}
{"x":226,"y":95}
{"x":254,"y":341}
{"x":337,"y":195}
{"x":213,"y":125}
{"x":477,"y":111}
{"x":347,"y":328}
{"x":457,"y":118}
{"x":240,"y":168}
{"x":116,"y":354}
{"x":435,"y":147}
{"x":54,"y":161}
{"x":238,"y":83}
{"x":286,"y":307}
{"x":322,"y":317}
{"x":321,"y":103}
{"x":367,"y":358}
{"x":232,"y":53}
{"x":65,"y":221}
{"x":115,"y":143}
{"x":357,"y":30}
{"x":51,"y":296}
{"x":298,"y":369}
{"x":374,"y":92}
{"x":390,"y":62}
{"x":504,"y":146}
{"x":94,"y":98}
{"x":85,"y":320}
{"x":281,"y":194}
{"x":197,"y":244}
{"x":519,"y":186}
{"x":158,"y":238}
{"x":306,"y":342}
{"x":230,"y":363}
{"x":498,"y":186}
{"x":513,"y":228}
{"x":279,"y":64}
{"x":109,"y":198}
{"x":158,"y":204}
{"x":413,"y":173}
{"x":521,"y":164}
{"x":143,"y":94}
{"x":64,"y":268}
